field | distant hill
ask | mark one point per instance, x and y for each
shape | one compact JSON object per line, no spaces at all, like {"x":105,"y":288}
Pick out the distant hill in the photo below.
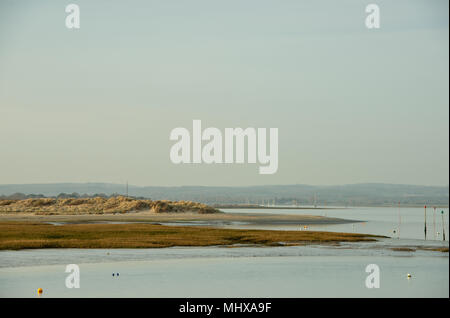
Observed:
{"x":371,"y":194}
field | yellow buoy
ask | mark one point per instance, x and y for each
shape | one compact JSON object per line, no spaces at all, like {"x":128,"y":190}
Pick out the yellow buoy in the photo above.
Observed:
{"x":40,"y":290}
{"x":409,"y":275}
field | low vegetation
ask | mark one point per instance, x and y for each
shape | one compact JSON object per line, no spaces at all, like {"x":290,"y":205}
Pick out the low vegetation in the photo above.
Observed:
{"x":422,"y":248}
{"x":100,"y":205}
{"x":29,"y":235}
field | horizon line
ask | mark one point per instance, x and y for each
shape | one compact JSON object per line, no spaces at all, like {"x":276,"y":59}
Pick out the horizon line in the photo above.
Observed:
{"x":227,"y":186}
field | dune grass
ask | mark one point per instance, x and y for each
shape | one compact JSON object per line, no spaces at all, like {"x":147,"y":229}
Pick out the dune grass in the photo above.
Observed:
{"x":99,"y":205}
{"x":29,"y":235}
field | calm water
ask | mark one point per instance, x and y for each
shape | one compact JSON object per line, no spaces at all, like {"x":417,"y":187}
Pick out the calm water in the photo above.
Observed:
{"x":297,"y":271}
{"x":380,"y":221}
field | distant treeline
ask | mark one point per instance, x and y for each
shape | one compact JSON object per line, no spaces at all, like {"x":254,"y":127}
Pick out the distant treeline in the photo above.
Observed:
{"x":366,"y":194}
{"x":73,"y":195}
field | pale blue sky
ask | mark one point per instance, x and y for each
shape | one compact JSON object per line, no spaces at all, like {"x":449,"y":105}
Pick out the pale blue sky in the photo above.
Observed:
{"x":97,"y":104}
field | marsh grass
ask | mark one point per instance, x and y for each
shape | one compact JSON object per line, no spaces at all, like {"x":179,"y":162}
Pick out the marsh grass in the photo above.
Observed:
{"x":28,"y":235}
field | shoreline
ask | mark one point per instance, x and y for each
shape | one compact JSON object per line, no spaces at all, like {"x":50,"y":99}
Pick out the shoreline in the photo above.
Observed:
{"x":319,"y":207}
{"x":237,"y":206}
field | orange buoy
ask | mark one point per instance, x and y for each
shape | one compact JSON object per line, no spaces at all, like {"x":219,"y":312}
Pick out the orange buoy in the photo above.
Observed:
{"x":40,"y":290}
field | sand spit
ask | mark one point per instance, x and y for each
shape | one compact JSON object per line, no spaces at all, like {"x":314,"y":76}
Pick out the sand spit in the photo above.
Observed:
{"x":149,"y":216}
{"x":100,"y":205}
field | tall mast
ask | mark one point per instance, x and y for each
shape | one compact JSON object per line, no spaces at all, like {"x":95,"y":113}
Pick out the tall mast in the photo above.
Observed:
{"x":399,"y":220}
{"x":434,"y":222}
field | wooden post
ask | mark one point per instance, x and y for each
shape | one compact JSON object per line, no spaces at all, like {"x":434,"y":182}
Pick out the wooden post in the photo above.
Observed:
{"x":425,"y":224}
{"x":443,"y":226}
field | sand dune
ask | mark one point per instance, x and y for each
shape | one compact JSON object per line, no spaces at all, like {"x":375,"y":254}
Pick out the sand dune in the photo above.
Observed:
{"x":99,"y":205}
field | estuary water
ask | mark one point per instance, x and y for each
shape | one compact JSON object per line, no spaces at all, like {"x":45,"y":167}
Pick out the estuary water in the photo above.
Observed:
{"x":403,"y":223}
{"x":291,"y":271}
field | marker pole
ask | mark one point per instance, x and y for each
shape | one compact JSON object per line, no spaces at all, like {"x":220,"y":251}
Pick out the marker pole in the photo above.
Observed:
{"x":399,"y":220}
{"x":443,"y":226}
{"x":425,"y":224}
